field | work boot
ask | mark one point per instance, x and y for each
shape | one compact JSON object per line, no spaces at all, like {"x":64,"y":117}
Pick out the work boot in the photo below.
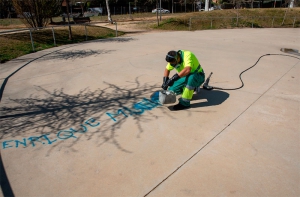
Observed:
{"x":197,"y":90}
{"x":180,"y":107}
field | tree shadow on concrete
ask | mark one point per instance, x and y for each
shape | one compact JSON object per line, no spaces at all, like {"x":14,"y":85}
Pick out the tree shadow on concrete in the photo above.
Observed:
{"x":75,"y":54}
{"x":4,"y":182}
{"x":58,"y":54}
{"x":115,"y":40}
{"x":62,"y":116}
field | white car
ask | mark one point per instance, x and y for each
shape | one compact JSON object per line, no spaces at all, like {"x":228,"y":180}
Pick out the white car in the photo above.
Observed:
{"x":161,"y":10}
{"x":93,"y":12}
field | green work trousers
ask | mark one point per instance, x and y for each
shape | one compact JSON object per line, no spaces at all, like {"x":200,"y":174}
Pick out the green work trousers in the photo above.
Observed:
{"x":186,"y":86}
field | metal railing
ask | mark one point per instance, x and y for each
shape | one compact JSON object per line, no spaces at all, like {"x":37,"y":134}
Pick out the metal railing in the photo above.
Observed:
{"x":242,"y":21}
{"x":31,"y":30}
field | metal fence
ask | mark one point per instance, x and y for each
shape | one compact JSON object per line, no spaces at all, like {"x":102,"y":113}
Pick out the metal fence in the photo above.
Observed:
{"x":33,"y":34}
{"x":198,"y":23}
{"x":194,"y":23}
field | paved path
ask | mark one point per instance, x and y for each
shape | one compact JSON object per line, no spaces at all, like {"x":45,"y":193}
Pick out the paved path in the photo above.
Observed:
{"x":129,"y":27}
{"x":61,"y":135}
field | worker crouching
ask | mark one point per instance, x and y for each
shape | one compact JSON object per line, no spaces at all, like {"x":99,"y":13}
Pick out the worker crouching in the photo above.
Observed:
{"x":189,"y":76}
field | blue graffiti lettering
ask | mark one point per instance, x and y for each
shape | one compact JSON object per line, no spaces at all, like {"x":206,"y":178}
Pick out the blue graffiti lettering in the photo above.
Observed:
{"x":6,"y":145}
{"x":141,"y":106}
{"x":134,"y":112}
{"x":49,"y":141}
{"x":137,"y":109}
{"x":153,"y":104}
{"x":23,"y":143}
{"x":92,"y":120}
{"x":80,"y":131}
{"x":145,"y":104}
{"x":118,"y":113}
{"x":67,"y":134}
{"x":35,"y":139}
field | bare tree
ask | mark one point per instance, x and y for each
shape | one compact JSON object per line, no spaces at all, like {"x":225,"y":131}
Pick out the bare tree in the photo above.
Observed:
{"x":237,"y":3}
{"x":5,"y":8}
{"x":68,"y":14}
{"x":55,"y":8}
{"x":108,"y":13}
{"x":36,"y":13}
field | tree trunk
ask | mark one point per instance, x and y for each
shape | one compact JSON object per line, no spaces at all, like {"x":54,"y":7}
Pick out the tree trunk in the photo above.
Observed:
{"x":70,"y":30}
{"x":108,"y":13}
{"x":157,"y":13}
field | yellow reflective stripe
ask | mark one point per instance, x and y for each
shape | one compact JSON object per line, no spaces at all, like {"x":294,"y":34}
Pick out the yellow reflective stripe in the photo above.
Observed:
{"x":187,"y":94}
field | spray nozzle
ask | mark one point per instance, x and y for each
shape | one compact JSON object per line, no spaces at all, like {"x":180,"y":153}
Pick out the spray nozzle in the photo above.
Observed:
{"x":205,"y":85}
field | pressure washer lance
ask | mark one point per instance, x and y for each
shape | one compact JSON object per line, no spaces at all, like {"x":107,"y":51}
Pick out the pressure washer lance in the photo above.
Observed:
{"x":205,"y":85}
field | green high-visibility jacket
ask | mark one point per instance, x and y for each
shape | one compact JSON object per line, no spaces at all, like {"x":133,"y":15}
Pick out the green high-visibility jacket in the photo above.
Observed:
{"x":187,"y":58}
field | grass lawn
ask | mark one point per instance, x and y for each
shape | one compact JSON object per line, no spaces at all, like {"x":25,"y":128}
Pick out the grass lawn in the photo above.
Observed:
{"x":224,"y":19}
{"x":18,"y":44}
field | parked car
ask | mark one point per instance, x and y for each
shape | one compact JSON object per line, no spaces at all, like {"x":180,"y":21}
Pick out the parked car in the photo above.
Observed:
{"x":73,"y":15}
{"x":217,"y":7}
{"x":161,"y":10}
{"x":93,"y":12}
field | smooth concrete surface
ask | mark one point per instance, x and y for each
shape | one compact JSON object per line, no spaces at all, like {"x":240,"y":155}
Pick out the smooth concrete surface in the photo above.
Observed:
{"x":61,"y":135}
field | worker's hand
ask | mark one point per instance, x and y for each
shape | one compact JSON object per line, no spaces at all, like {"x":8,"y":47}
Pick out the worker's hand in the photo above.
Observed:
{"x":164,"y":82}
{"x":165,"y":79}
{"x":164,"y":86}
{"x":170,"y":82}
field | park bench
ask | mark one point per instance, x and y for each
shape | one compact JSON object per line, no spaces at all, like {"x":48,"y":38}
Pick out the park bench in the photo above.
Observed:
{"x":81,"y":20}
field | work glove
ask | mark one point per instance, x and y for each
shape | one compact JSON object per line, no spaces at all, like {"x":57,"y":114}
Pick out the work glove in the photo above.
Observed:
{"x":165,"y":79}
{"x":170,"y":81}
